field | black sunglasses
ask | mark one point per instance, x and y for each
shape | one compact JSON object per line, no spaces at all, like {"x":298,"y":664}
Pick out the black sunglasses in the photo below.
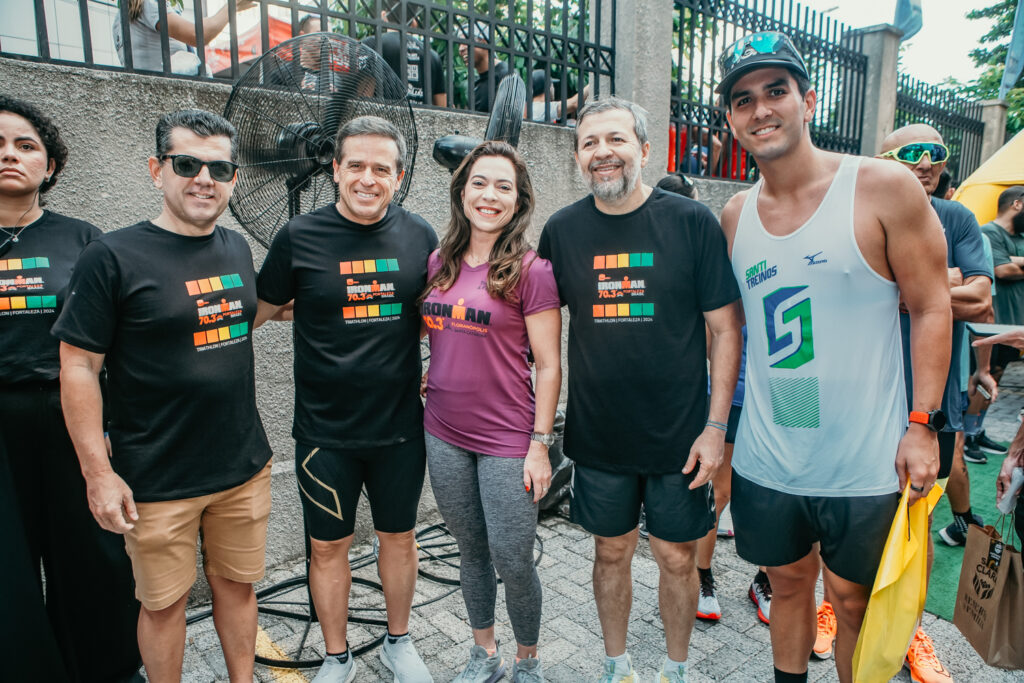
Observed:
{"x":189,"y":167}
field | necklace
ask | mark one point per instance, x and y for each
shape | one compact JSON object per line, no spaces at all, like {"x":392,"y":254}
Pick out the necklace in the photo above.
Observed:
{"x":15,"y":230}
{"x":12,"y":233}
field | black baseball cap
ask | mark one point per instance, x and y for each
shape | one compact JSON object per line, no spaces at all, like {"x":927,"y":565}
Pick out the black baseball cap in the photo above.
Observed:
{"x":758,"y":51}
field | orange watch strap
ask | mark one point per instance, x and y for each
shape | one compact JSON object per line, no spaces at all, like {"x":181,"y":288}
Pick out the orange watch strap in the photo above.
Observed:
{"x":919,"y":417}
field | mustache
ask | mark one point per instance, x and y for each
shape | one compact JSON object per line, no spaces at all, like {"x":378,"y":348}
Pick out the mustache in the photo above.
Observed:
{"x":618,"y":163}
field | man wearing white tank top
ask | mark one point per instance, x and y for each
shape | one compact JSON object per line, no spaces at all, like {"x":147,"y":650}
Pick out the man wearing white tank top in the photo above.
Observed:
{"x":825,"y":246}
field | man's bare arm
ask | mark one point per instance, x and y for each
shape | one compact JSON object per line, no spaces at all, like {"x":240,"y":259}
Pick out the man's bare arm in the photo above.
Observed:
{"x":916,"y":253}
{"x":110,"y":498}
{"x":726,"y":350}
{"x":267,"y":311}
{"x":1010,"y":271}
{"x":972,"y":301}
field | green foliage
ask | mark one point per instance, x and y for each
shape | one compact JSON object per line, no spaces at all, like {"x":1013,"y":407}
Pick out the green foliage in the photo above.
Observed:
{"x":991,"y":55}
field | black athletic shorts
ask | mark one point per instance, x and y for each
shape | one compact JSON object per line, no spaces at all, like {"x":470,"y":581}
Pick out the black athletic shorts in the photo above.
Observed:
{"x":330,"y":480}
{"x":733,"y":424}
{"x":608,"y":504}
{"x":775,"y":528}
{"x":947,"y":444}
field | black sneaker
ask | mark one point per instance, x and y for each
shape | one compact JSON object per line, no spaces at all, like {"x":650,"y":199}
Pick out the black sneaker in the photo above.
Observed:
{"x":952,"y":535}
{"x":955,"y":535}
{"x":973,"y":453}
{"x":642,"y":527}
{"x":987,"y":444}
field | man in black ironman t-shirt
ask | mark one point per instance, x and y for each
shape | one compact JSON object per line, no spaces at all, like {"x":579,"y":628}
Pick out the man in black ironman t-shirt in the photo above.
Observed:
{"x":354,"y":270}
{"x":168,"y":306}
{"x":641,"y":271}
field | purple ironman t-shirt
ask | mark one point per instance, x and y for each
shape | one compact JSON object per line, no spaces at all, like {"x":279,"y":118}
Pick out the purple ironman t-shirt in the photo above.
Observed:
{"x":479,"y":394}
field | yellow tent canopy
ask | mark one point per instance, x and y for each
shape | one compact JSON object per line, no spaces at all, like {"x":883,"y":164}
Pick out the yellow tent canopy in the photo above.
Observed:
{"x":980,"y":191}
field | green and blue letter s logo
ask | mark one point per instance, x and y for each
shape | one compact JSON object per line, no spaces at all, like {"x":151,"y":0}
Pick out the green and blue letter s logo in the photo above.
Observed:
{"x":800,"y":353}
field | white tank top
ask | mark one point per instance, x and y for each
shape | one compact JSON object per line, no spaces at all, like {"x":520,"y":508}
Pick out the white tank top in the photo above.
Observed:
{"x":825,"y":404}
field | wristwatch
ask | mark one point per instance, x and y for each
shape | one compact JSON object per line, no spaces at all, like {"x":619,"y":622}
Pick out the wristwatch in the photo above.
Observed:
{"x":934,"y":420}
{"x":546,"y":439}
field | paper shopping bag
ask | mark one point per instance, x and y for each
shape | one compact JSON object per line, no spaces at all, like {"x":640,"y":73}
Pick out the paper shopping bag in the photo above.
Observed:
{"x":990,"y":599}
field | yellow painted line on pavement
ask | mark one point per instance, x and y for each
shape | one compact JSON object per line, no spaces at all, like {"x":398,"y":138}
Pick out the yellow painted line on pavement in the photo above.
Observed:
{"x":266,"y":647}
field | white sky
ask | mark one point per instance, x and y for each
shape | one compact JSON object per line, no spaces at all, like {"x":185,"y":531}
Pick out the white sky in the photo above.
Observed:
{"x":939,"y":49}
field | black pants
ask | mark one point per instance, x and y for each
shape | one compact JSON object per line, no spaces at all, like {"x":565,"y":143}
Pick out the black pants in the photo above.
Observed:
{"x":90,"y":603}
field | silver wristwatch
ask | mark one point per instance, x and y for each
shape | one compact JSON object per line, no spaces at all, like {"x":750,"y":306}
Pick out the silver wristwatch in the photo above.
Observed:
{"x":546,"y":439}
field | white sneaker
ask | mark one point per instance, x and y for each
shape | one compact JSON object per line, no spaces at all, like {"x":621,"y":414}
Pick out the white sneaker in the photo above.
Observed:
{"x":404,"y":662}
{"x":333,"y":671}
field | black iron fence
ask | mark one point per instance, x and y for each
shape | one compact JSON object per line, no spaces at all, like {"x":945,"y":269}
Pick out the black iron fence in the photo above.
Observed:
{"x":699,"y":134}
{"x":958,"y":120}
{"x":455,"y":51}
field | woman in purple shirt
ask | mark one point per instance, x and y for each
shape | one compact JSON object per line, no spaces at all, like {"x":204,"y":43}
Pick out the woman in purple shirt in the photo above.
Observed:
{"x":489,"y":299}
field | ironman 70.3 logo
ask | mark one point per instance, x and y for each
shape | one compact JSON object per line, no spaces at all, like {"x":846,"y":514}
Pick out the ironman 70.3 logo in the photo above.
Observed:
{"x":787,"y":322}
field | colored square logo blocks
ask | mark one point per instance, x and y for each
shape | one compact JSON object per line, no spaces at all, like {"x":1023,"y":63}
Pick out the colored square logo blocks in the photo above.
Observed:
{"x":373,"y":311}
{"x":623,"y":310}
{"x":215,"y":283}
{"x":378,"y":265}
{"x":24,"y":263}
{"x":21,"y":303}
{"x":204,"y":337}
{"x":643,"y":259}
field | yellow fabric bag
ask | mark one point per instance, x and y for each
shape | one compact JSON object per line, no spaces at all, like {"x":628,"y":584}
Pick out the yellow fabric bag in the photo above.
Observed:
{"x":897,"y":598}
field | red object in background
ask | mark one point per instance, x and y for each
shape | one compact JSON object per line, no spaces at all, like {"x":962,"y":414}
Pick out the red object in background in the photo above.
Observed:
{"x":730,"y":152}
{"x":249,"y":45}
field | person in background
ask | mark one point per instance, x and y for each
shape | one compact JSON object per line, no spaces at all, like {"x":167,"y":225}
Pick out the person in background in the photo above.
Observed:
{"x":145,"y":29}
{"x":418,"y":61}
{"x":483,"y":64}
{"x":87,"y":572}
{"x":489,"y":301}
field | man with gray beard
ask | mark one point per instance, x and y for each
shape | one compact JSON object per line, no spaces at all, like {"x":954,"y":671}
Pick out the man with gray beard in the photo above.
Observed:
{"x":641,"y":271}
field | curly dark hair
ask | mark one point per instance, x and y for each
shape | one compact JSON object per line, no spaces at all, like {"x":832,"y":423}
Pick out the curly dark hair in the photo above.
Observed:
{"x":48,"y":133}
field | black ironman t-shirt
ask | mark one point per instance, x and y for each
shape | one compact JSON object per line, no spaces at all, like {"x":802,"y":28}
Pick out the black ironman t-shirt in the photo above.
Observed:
{"x":173,"y":314}
{"x":33,"y":276}
{"x":357,"y":327}
{"x":636,"y":286}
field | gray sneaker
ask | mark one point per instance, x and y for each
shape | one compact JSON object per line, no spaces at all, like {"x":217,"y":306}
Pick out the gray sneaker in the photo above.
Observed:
{"x":527,"y":671}
{"x":482,"y":668}
{"x":333,"y":671}
{"x":404,"y":662}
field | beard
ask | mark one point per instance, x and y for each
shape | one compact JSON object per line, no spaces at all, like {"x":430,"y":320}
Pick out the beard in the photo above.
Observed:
{"x":613,"y":191}
{"x":1018,"y":223}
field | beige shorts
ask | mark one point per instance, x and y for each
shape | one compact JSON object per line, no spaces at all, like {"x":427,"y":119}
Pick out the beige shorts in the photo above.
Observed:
{"x":162,"y":545}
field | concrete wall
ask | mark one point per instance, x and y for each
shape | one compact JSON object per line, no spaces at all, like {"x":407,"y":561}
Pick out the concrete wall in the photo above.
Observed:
{"x":108,"y":121}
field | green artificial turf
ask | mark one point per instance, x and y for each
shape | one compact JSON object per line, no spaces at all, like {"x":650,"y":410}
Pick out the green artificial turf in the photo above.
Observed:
{"x":946,"y":570}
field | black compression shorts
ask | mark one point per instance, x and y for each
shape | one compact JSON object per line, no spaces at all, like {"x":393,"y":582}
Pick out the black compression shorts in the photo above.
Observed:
{"x":330,"y":480}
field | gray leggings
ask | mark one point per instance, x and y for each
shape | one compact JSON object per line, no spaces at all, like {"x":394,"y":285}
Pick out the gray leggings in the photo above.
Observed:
{"x":494,"y":520}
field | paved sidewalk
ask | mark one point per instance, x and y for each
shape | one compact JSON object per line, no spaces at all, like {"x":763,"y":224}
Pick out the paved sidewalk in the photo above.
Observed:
{"x":736,"y":649}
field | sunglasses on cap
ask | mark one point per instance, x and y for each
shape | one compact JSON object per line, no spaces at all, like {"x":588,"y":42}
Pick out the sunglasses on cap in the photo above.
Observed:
{"x":189,"y":167}
{"x":768,"y":48}
{"x":913,"y":152}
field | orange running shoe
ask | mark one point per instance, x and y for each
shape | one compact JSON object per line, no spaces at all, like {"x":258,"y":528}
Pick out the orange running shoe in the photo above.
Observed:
{"x":924,"y":666}
{"x":826,"y":637}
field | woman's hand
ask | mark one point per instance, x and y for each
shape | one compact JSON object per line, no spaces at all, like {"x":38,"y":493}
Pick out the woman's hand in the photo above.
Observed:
{"x":537,"y":470}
